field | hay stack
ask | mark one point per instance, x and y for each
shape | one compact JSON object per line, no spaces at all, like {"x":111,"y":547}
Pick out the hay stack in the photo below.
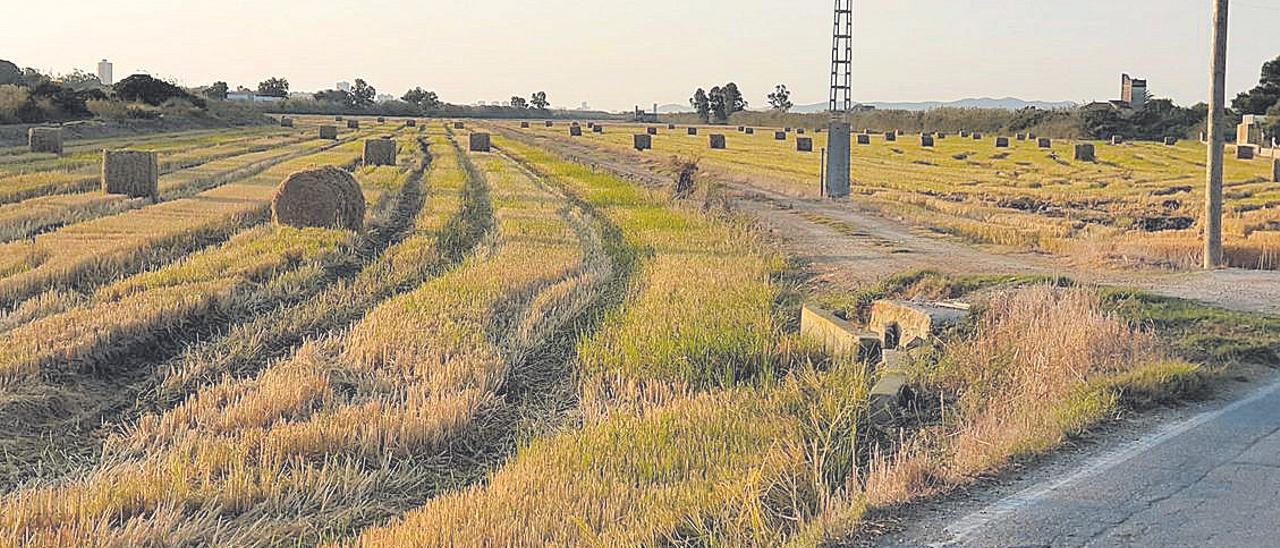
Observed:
{"x":718,"y":141}
{"x":45,"y":139}
{"x":1085,"y":153}
{"x":742,"y":129}
{"x":800,"y":131}
{"x":804,"y":144}
{"x":1021,"y":136}
{"x":353,"y":124}
{"x":575,"y":131}
{"x":459,"y":125}
{"x":1044,"y":143}
{"x":382,"y":120}
{"x":410,"y":123}
{"x":286,"y":122}
{"x":693,"y":131}
{"x":780,"y":136}
{"x":644,"y":141}
{"x":671,"y":126}
{"x":327,"y":197}
{"x":751,"y":131}
{"x":964,"y":134}
{"x":480,"y":142}
{"x":524,"y":125}
{"x":864,"y":139}
{"x":337,"y":118}
{"x":550,"y":123}
{"x":379,"y":152}
{"x":134,"y":173}
{"x":977,"y":136}
{"x":1031,"y":136}
{"x":328,"y":132}
{"x":942,"y":135}
{"x":926,"y":140}
{"x":890,"y":136}
{"x":597,"y":128}
{"x":1244,"y":152}
{"x":652,"y":131}
{"x":1002,"y":142}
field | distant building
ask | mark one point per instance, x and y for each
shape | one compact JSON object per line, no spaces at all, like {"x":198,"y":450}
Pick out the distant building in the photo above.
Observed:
{"x":385,"y":98}
{"x":1251,"y":132}
{"x":344,"y":86}
{"x":251,"y":97}
{"x":104,"y":73}
{"x":1133,"y":92}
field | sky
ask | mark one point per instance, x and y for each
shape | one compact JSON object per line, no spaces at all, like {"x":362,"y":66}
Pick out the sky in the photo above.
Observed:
{"x":616,"y":54}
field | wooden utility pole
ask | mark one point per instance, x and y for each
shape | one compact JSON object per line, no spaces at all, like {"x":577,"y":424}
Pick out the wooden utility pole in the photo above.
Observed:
{"x":1217,"y":116}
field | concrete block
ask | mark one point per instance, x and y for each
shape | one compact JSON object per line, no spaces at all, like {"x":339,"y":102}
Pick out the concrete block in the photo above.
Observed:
{"x":1085,"y":153}
{"x":46,"y":140}
{"x":1002,"y":142}
{"x":328,"y":132}
{"x":693,"y":131}
{"x":652,"y":131}
{"x":838,"y":337}
{"x":575,"y":131}
{"x":780,"y":136}
{"x":644,"y":141}
{"x":890,"y":137}
{"x":751,"y":131}
{"x":1244,"y":152}
{"x":889,"y":398}
{"x":459,"y":125}
{"x":804,"y":144}
{"x":926,"y":140}
{"x":718,"y":141}
{"x":864,"y":139}
{"x":480,"y":142}
{"x":900,"y":324}
{"x":1044,"y":143}
{"x":353,"y":124}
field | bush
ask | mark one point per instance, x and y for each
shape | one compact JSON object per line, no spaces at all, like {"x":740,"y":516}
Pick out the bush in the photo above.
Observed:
{"x":145,"y":89}
{"x":12,"y":98}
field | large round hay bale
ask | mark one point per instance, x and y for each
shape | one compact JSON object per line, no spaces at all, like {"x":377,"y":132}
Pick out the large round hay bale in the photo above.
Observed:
{"x":286,"y":122}
{"x":804,"y":144}
{"x":328,"y":132}
{"x":575,"y":131}
{"x":326,"y":197}
{"x":133,"y":173}
{"x":479,"y":142}
{"x":353,"y":124}
{"x":45,"y":139}
{"x":379,"y":152}
{"x":718,"y":141}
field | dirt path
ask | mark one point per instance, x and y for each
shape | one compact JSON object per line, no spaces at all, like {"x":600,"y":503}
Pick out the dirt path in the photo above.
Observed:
{"x":846,"y":245}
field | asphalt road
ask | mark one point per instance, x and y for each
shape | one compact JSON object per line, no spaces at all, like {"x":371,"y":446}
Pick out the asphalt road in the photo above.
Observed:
{"x":1208,"y":480}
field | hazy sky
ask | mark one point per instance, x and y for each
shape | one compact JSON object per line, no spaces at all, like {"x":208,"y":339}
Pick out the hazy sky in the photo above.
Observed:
{"x":616,"y":54}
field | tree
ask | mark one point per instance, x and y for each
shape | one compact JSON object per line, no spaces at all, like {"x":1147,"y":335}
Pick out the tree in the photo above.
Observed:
{"x":10,"y":74}
{"x":79,"y":80}
{"x":217,"y":90}
{"x":780,"y":99}
{"x":1265,"y":95}
{"x":143,"y":88}
{"x":335,"y":96}
{"x":702,"y":105}
{"x":363,"y":94}
{"x":539,"y":101}
{"x":426,"y":101}
{"x":519,"y":102}
{"x":274,"y":87}
{"x":725,"y":101}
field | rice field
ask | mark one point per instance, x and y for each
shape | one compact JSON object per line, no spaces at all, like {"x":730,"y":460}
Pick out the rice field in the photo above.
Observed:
{"x":516,"y":350}
{"x":1137,"y":205}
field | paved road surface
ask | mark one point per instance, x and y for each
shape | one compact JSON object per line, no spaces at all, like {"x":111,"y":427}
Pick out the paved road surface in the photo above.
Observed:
{"x":1210,"y":480}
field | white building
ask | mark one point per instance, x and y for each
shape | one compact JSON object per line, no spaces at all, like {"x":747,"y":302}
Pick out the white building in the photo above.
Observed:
{"x":104,"y":73}
{"x":250,"y":97}
{"x":385,"y":98}
{"x":344,"y":86}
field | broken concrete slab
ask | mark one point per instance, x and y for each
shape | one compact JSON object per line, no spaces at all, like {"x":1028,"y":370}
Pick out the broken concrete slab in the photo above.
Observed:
{"x":837,"y":336}
{"x":900,"y":323}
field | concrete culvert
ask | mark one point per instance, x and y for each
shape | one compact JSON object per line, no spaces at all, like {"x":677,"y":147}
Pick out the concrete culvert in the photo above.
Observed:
{"x":286,"y":122}
{"x":133,"y":173}
{"x":1085,"y":153}
{"x":718,"y":142}
{"x":45,"y":140}
{"x":379,"y":152}
{"x":327,"y":197}
{"x":353,"y":124}
{"x":328,"y":132}
{"x":480,"y":142}
{"x":804,"y":144}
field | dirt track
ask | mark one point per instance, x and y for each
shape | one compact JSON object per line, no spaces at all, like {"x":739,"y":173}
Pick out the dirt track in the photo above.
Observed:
{"x":846,"y":245}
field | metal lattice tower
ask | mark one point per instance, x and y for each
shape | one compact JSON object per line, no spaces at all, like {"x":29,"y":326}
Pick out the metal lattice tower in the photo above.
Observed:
{"x":842,"y":58}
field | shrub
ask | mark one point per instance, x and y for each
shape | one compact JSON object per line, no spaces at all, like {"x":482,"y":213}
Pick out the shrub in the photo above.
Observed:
{"x":12,"y":98}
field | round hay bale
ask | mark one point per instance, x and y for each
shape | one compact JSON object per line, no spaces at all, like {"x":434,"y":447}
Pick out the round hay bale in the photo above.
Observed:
{"x":45,"y":139}
{"x":382,"y":120}
{"x":379,"y":152}
{"x":133,"y":173}
{"x":328,"y":132}
{"x":327,"y":197}
{"x":479,"y":142}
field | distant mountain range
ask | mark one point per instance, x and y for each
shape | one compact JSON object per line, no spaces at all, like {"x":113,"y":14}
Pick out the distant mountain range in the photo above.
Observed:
{"x":1010,"y":103}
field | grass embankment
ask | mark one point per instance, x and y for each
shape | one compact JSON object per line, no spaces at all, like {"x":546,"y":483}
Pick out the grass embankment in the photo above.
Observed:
{"x":84,"y":255}
{"x":347,"y":427}
{"x":1137,"y":205}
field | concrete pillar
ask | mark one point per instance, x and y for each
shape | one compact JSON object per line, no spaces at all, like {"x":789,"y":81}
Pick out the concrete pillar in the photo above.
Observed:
{"x":839,"y":151}
{"x":1213,"y":257}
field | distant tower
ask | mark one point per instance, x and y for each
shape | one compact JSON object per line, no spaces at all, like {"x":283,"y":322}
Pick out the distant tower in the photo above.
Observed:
{"x":837,"y":182}
{"x":1133,"y":91}
{"x":104,"y":72}
{"x":842,"y":58}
